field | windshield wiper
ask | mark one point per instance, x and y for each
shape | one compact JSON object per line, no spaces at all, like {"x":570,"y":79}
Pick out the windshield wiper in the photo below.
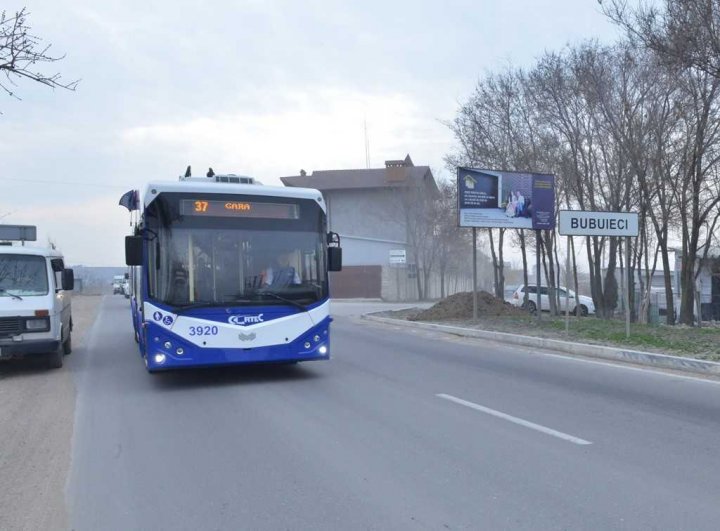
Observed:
{"x":283,"y":299}
{"x":18,"y":297}
{"x":179,"y":309}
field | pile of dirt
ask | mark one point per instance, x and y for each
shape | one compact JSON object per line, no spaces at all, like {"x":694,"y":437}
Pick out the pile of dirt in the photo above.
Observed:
{"x":460,"y":306}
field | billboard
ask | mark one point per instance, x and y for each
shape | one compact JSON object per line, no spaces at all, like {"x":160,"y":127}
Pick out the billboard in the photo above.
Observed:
{"x":505,"y":199}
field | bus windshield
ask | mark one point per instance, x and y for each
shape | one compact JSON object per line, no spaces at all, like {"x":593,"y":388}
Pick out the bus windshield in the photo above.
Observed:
{"x":235,"y":261}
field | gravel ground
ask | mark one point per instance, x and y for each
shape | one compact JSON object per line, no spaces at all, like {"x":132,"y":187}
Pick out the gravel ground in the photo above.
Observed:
{"x":37,"y":408}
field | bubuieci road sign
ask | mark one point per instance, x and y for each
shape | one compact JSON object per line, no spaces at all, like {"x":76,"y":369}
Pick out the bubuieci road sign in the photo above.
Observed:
{"x":584,"y":223}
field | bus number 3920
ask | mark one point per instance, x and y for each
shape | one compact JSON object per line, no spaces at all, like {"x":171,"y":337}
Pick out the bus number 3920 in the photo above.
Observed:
{"x":203,"y":330}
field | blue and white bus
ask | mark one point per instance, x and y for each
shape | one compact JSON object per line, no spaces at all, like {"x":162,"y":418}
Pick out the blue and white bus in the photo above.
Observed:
{"x":226,"y":271}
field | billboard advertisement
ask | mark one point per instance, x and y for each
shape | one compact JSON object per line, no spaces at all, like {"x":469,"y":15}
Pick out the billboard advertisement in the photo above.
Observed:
{"x":505,"y":199}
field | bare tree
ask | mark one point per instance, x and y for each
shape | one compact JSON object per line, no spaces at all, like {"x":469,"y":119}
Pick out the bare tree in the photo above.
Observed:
{"x":413,"y":207}
{"x":498,"y":128}
{"x":683,"y":33}
{"x":21,"y":53}
{"x":630,"y":127}
{"x":452,"y":241}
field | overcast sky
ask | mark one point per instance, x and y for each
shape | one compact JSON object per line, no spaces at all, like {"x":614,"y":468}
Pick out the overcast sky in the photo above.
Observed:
{"x":255,"y":87}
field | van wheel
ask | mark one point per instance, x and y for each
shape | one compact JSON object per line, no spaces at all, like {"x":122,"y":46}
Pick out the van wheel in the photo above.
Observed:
{"x":55,"y":359}
{"x":581,"y":311}
{"x":530,"y":306}
{"x":67,"y":346}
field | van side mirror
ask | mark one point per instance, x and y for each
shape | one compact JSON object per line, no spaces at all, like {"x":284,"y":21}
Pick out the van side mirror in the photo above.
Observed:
{"x":68,"y":279}
{"x":127,"y":276}
{"x":334,"y":259}
{"x":133,"y":250}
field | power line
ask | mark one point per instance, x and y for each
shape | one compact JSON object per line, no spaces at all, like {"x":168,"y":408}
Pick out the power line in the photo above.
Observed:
{"x":96,"y":185}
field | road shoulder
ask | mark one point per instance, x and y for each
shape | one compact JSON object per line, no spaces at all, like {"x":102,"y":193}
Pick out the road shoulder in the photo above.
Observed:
{"x":36,"y":428}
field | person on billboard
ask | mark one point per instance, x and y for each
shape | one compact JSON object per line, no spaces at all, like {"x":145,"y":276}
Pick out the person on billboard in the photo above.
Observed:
{"x":519,"y":205}
{"x":511,"y":204}
{"x":527,"y":213}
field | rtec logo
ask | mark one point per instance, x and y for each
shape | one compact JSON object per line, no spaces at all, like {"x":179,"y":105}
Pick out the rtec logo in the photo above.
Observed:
{"x":244,"y":320}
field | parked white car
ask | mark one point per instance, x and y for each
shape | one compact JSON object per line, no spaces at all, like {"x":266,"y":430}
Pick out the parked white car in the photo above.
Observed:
{"x":582,"y":305}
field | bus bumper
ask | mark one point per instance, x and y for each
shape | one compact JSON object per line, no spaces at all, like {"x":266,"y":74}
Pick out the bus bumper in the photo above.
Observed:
{"x":167,"y":351}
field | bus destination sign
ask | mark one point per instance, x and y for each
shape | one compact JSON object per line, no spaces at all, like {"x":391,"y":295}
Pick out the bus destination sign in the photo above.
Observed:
{"x":238,"y":209}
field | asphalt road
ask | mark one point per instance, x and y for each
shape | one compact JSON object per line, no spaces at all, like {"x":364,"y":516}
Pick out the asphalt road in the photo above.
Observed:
{"x":400,"y":430}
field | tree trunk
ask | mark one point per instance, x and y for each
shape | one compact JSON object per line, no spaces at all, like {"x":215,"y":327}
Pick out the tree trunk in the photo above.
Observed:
{"x":548,"y":242}
{"x":523,"y":251}
{"x":441,"y":272}
{"x":494,"y":259}
{"x":687,"y":290}
{"x":500,"y":285}
{"x":610,"y":291}
{"x":596,"y":290}
{"x":667,"y":274}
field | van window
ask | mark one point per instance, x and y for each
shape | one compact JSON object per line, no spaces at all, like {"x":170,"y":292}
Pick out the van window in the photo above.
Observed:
{"x":23,"y":275}
{"x":530,"y":289}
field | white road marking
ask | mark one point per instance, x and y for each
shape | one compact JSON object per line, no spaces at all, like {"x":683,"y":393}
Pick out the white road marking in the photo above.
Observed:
{"x":514,"y":420}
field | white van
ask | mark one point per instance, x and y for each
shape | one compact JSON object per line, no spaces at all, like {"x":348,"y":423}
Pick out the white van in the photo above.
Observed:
{"x":35,"y":305}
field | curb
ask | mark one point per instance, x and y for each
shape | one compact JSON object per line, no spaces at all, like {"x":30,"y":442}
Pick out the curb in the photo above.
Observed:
{"x":664,"y":361}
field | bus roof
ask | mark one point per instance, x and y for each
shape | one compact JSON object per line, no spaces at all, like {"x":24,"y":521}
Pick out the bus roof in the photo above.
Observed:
{"x":156,"y":188}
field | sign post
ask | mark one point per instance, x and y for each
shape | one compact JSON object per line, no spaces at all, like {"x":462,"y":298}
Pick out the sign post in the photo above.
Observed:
{"x":397,"y":258}
{"x":612,"y":224}
{"x":474,"y":274}
{"x":627,"y":287}
{"x":567,"y":289}
{"x":538,"y":283}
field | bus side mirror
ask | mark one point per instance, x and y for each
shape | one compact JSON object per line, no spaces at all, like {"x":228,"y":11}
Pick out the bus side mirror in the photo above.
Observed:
{"x":133,"y":250}
{"x":333,"y":239}
{"x":68,"y":279}
{"x":127,"y":276}
{"x":334,"y":259}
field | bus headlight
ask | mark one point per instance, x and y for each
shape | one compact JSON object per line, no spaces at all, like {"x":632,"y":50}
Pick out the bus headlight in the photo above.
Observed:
{"x":307,"y":345}
{"x":323,"y":350}
{"x":167,"y":345}
{"x":179,"y":351}
{"x":316,"y":338}
{"x":159,"y":359}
